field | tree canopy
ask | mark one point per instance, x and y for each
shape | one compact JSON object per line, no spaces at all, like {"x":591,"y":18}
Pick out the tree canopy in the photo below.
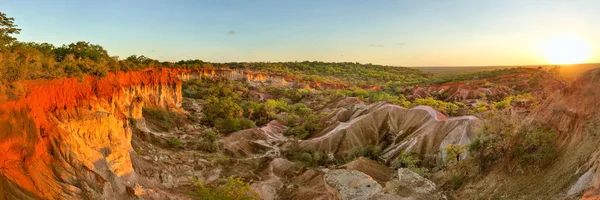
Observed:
{"x":7,"y":27}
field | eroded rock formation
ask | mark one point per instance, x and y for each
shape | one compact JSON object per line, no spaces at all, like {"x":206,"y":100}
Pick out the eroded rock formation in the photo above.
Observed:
{"x":573,"y":114}
{"x":537,"y":82}
{"x":67,"y":139}
{"x":420,"y":130}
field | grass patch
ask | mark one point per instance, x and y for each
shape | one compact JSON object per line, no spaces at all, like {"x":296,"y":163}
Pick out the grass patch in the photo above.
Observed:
{"x":233,"y":189}
{"x":160,"y":117}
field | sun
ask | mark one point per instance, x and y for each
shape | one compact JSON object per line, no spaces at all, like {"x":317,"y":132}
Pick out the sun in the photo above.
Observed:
{"x":566,"y":50}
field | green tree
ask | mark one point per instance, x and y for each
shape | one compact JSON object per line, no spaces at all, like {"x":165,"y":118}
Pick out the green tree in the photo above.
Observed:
{"x":82,"y":50}
{"x":455,"y":151}
{"x":7,"y":28}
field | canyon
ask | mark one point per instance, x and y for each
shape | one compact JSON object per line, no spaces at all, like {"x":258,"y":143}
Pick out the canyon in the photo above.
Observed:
{"x":72,"y":138}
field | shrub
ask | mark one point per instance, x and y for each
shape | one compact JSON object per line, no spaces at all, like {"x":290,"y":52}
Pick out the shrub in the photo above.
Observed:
{"x":302,"y":126}
{"x":503,"y":104}
{"x":529,"y":144}
{"x":221,"y":108}
{"x":303,"y":111}
{"x":291,"y":120}
{"x":408,"y":161}
{"x":525,"y":96}
{"x":537,"y":145}
{"x":306,"y":157}
{"x":233,"y":189}
{"x":454,"y":152}
{"x":493,"y":141}
{"x":272,"y":107}
{"x":230,"y":124}
{"x":486,"y":150}
{"x":442,"y":106}
{"x":370,"y":151}
{"x":175,"y":142}
{"x":480,"y":107}
{"x":208,"y":142}
{"x":297,"y":132}
{"x":309,"y":157}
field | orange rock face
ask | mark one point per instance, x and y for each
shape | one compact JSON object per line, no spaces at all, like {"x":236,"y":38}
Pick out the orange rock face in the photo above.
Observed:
{"x":64,"y":139}
{"x":68,"y":138}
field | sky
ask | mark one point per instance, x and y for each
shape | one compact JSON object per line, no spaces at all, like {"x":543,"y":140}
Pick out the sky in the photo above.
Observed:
{"x":399,"y":33}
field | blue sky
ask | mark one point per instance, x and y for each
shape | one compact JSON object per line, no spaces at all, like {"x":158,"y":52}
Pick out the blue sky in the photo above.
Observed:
{"x":403,"y":33}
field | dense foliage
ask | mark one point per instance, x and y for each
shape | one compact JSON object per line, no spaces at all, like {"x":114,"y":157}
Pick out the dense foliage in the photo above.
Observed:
{"x":502,"y":137}
{"x":345,"y":72}
{"x":473,"y":76}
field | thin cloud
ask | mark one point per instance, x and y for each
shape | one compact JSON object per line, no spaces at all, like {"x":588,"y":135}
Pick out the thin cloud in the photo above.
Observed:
{"x":232,"y":32}
{"x":376,"y":45}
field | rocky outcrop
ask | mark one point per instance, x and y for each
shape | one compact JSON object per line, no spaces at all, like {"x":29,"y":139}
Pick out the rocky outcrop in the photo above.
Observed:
{"x":310,"y":185}
{"x":259,"y":141}
{"x":258,"y":78}
{"x":375,"y":170}
{"x":352,"y":185}
{"x":70,"y":139}
{"x":573,"y":114}
{"x":420,"y":130}
{"x":275,"y":173}
{"x":410,"y":185}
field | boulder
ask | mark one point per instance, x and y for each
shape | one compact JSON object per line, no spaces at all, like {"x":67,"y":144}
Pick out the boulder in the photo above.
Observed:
{"x":411,"y":185}
{"x":352,"y":184}
{"x":377,"y":171}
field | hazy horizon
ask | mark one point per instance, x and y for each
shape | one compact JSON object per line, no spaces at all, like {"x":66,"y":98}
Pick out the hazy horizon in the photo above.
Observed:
{"x":396,"y":33}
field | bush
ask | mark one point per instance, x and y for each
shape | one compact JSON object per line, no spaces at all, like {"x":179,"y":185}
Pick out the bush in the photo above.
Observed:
{"x":272,"y":107}
{"x":306,"y":157}
{"x":230,"y":124}
{"x":304,"y":125}
{"x":493,"y":141}
{"x":297,"y":131}
{"x":442,"y":106}
{"x":480,"y":107}
{"x":537,"y":145}
{"x":221,"y":108}
{"x":500,"y":138}
{"x":408,"y":161}
{"x":370,"y":151}
{"x":503,"y":104}
{"x":233,"y":189}
{"x":309,"y":157}
{"x":454,"y":152}
{"x":208,"y":142}
{"x":175,"y":142}
{"x":527,"y":96}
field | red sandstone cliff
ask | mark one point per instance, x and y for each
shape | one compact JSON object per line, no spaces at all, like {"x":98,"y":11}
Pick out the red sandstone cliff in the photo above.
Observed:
{"x":65,"y":139}
{"x":68,"y":139}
